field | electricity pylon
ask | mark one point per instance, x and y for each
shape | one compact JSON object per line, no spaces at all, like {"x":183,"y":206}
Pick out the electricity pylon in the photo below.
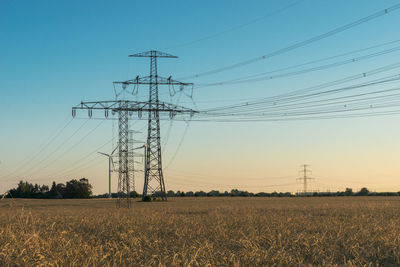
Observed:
{"x":305,"y":178}
{"x":131,"y":162}
{"x":153,"y":178}
{"x":131,"y":159}
{"x":154,"y":181}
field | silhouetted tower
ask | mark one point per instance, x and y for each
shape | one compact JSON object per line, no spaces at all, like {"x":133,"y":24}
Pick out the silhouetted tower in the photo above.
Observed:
{"x":154,"y":180}
{"x":124,"y":182}
{"x":131,"y":162}
{"x":305,"y":178}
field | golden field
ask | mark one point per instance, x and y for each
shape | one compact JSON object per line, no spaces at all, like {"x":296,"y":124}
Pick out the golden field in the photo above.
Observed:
{"x":231,"y":231}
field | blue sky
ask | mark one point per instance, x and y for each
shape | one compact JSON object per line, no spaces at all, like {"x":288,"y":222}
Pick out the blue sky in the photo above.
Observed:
{"x":53,"y":54}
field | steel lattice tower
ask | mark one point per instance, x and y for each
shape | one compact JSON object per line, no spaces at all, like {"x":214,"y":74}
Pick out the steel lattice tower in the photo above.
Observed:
{"x":154,"y":185}
{"x":153,"y":179}
{"x":305,"y":178}
{"x":123,"y":150}
{"x":131,"y":162}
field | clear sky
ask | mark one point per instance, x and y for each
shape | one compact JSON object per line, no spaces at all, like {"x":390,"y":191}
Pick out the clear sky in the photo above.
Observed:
{"x":53,"y":54}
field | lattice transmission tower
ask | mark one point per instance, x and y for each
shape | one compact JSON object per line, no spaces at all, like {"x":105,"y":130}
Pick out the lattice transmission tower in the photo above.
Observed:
{"x":154,"y":185}
{"x":131,"y":161}
{"x":305,"y":178}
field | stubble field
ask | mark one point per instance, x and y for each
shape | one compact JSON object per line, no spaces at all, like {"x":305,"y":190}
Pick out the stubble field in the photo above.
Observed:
{"x":236,"y":231}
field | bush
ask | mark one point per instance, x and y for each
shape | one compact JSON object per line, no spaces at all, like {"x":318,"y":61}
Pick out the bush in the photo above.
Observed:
{"x":146,"y":199}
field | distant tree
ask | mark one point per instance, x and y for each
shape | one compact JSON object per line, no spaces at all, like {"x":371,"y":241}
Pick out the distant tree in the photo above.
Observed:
{"x":61,"y":188}
{"x":213,"y":193}
{"x":244,"y":194}
{"x":348,"y":192}
{"x":157,"y":194}
{"x":28,"y":190}
{"x":53,"y":193}
{"x":44,"y":189}
{"x":200,"y":194}
{"x":170,"y":193}
{"x":23,"y":190}
{"x":189,"y":194}
{"x":363,"y":192}
{"x":105,"y":195}
{"x":35,"y":190}
{"x":73,"y":189}
{"x":234,"y":192}
{"x":134,"y":194}
{"x":78,"y":189}
{"x":146,"y":199}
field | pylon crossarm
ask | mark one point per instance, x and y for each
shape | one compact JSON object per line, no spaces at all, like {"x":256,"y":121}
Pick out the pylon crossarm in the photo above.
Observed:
{"x":126,"y":105}
{"x":113,"y":104}
{"x":168,"y":107}
{"x":153,"y":53}
{"x":148,"y":80}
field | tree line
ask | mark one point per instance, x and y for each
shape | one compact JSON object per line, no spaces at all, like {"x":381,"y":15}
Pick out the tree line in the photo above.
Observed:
{"x":239,"y":193}
{"x":83,"y":189}
{"x":72,"y":189}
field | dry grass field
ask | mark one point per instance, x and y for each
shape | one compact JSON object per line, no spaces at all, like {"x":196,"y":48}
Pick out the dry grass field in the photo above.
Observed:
{"x":354,"y":231}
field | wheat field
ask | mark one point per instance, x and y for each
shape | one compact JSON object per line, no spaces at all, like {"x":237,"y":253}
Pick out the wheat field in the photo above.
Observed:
{"x":352,"y":231}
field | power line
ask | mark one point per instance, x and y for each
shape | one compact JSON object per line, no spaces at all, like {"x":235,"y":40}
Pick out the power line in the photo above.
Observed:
{"x":179,"y":145}
{"x":236,"y":27}
{"x":29,"y":160}
{"x":299,"y":44}
{"x":79,"y":160}
{"x":196,"y":182}
{"x":197,"y":175}
{"x":246,"y":79}
{"x":93,"y":162}
{"x":94,"y":152}
{"x":318,"y":60}
{"x":298,"y":102}
{"x":299,"y":106}
{"x":76,"y":144}
{"x":300,"y":92}
{"x":37,"y":165}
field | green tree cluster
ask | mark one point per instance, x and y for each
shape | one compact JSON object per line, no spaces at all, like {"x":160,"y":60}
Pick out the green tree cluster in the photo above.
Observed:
{"x":72,"y":189}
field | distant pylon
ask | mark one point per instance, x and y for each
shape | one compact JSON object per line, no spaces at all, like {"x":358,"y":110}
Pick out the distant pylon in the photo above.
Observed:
{"x":305,"y":178}
{"x":131,"y":162}
{"x":124,"y":183}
